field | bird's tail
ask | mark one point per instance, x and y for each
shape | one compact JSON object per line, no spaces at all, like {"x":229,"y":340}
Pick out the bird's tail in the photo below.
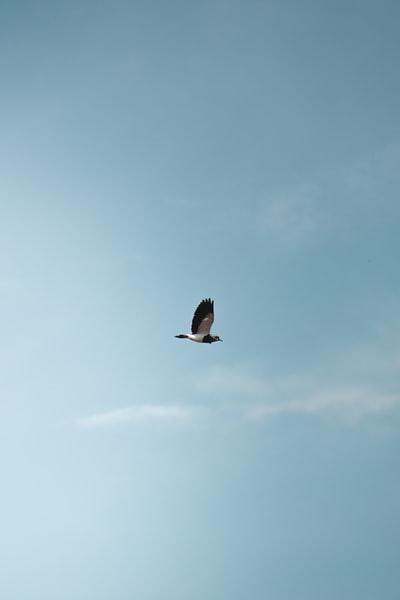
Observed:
{"x":181,"y":336}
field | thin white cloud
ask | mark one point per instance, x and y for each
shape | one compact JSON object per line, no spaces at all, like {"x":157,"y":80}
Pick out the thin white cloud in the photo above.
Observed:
{"x":260,"y":395}
{"x":143,"y":412}
{"x":348,"y":403}
{"x":237,"y":380}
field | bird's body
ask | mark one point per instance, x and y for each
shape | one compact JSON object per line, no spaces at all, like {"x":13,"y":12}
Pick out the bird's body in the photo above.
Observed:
{"x":202,"y":320}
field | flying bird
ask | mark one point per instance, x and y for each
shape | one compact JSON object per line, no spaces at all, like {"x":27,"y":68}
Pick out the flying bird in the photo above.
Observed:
{"x":203,"y":318}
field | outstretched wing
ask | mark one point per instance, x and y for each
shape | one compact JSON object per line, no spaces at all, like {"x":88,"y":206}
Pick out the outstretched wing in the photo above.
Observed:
{"x":203,"y":317}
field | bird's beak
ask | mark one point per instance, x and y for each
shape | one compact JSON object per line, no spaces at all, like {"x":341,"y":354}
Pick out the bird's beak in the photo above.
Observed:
{"x":220,"y":340}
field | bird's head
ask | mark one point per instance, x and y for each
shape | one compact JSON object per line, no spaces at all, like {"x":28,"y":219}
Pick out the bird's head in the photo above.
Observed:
{"x":217,"y":338}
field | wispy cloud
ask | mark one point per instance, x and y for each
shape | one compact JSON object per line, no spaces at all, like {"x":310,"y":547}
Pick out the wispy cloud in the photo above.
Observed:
{"x":260,"y":395}
{"x":349,"y":403}
{"x":143,"y":412}
{"x":299,"y":213}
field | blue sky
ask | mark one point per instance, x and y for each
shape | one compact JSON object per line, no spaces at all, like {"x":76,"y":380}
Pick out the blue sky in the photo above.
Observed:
{"x":153,"y":154}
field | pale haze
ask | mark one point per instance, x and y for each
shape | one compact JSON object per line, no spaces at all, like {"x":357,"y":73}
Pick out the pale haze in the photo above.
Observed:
{"x":153,"y":154}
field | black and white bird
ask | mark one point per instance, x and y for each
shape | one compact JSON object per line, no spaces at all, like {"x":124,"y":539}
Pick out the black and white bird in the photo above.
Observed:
{"x":203,"y":318}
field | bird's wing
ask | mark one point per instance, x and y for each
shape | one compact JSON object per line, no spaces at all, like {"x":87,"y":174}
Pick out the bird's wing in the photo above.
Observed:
{"x":203,"y":317}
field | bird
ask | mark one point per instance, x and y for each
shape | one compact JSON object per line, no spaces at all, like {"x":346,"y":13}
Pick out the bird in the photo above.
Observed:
{"x":202,"y":320}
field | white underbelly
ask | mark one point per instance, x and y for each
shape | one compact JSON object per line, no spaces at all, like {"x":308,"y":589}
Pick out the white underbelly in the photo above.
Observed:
{"x":196,"y":337}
